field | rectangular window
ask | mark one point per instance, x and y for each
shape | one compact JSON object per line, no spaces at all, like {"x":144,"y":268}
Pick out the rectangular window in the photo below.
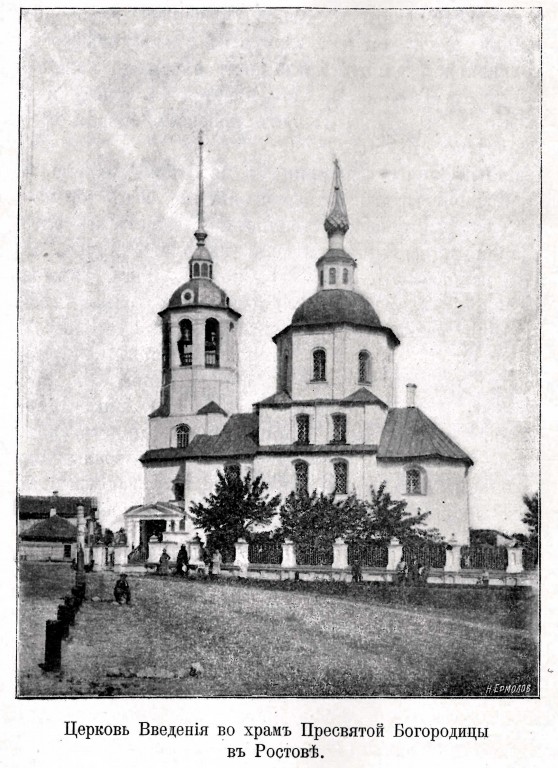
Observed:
{"x":413,"y":481}
{"x":341,"y":476}
{"x":339,"y":428}
{"x":67,"y":550}
{"x":303,"y":429}
{"x":301,"y":473}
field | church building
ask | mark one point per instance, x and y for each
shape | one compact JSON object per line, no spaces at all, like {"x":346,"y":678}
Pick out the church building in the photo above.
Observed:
{"x":332,"y":423}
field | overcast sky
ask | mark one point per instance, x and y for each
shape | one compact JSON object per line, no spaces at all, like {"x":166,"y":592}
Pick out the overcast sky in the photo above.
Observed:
{"x":434,"y":116}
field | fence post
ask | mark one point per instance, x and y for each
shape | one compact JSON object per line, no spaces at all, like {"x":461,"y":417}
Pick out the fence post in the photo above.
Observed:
{"x":453,"y":556}
{"x":53,"y":646}
{"x":241,"y":554}
{"x":194,"y":549}
{"x":515,"y":560}
{"x":395,"y":553}
{"x":289,"y":554}
{"x":340,"y":554}
{"x":99,"y":557}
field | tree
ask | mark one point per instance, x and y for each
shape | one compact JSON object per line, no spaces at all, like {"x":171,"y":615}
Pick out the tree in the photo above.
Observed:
{"x":108,"y":537}
{"x":236,"y":505}
{"x":317,"y":519}
{"x":532,"y":518}
{"x":390,"y":518}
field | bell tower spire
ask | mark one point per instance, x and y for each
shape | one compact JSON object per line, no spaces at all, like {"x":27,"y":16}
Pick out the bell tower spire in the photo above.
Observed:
{"x":201,"y":263}
{"x":200,"y":233}
{"x":336,"y":268}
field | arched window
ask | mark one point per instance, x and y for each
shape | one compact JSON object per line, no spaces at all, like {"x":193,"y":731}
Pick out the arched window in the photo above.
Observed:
{"x":363,"y":367}
{"x":182,"y":524}
{"x":319,"y":365}
{"x":190,"y":270}
{"x":211,"y":343}
{"x":332,"y":275}
{"x":179,"y":492}
{"x":205,"y":270}
{"x":301,"y":477}
{"x":182,"y":436}
{"x":321,"y":277}
{"x":211,"y":271}
{"x":415,"y":478}
{"x":303,"y":429}
{"x":345,"y":276}
{"x":284,"y":379}
{"x":184,"y":343}
{"x":233,"y":470}
{"x":166,"y":345}
{"x":172,"y":526}
{"x":196,"y":270}
{"x":339,"y":428}
{"x":341,"y":474}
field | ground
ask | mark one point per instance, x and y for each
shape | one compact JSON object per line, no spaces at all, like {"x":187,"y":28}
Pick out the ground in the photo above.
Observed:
{"x":279,"y":639}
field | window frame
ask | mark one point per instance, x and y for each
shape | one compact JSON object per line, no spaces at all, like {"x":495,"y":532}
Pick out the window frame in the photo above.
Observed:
{"x":180,"y":430}
{"x":315,"y":352}
{"x":344,"y":463}
{"x":332,"y":276}
{"x":364,"y":355}
{"x":422,"y":479}
{"x":341,"y":419}
{"x":302,"y":418}
{"x":301,"y":489}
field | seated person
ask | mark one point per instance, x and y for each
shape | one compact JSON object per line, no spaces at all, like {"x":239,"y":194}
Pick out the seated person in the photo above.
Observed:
{"x":122,"y":592}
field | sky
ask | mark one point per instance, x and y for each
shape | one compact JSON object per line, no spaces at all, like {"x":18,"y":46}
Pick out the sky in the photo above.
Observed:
{"x":434,"y":116}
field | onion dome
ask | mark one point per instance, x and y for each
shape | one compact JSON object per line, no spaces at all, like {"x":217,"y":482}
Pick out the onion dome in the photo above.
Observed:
{"x":336,"y":306}
{"x":337,"y":218}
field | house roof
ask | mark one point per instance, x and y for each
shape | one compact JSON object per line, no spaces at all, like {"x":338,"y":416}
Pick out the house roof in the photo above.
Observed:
{"x":38,"y":507}
{"x":162,"y":507}
{"x":53,"y":529}
{"x":409,"y":434}
{"x":239,"y":437}
{"x":211,"y":407}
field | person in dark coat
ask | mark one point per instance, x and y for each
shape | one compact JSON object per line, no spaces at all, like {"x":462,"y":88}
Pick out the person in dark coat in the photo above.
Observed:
{"x":122,"y":593}
{"x":182,"y":562}
{"x":164,"y":563}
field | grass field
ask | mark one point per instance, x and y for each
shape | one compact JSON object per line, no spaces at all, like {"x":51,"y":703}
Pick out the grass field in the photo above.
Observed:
{"x":255,"y":641}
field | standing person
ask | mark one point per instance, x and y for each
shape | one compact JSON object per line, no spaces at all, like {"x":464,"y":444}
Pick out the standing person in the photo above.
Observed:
{"x":164,"y":563}
{"x":401,"y":571}
{"x":182,"y":562}
{"x":357,"y":570}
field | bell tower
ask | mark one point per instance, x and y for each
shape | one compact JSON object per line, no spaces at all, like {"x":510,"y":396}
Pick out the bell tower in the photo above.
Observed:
{"x":199,"y":358}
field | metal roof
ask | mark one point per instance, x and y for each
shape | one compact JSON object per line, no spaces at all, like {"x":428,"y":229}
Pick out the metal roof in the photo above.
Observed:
{"x":409,"y":434}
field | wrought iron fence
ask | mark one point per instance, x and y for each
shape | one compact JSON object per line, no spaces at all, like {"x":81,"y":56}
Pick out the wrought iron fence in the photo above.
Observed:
{"x":309,"y":555}
{"x":269,"y":552}
{"x":485,"y":557}
{"x":228,"y":553}
{"x":428,"y":553}
{"x":368,"y":555}
{"x":530,"y":559}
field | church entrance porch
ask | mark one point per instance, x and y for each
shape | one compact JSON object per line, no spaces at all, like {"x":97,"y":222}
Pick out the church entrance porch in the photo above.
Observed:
{"x":149,"y":528}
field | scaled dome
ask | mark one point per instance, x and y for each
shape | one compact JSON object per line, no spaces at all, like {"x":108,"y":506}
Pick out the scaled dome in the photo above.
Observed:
{"x":336,"y":306}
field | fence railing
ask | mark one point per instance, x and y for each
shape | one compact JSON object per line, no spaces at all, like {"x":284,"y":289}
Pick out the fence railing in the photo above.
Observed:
{"x":429,"y":554}
{"x":367,"y":555}
{"x":269,"y":552}
{"x":228,"y":553}
{"x":485,"y":557}
{"x":308,"y":555}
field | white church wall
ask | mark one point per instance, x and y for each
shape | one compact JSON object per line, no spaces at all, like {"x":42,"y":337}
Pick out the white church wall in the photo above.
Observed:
{"x":201,"y":478}
{"x":162,"y":431}
{"x":342,"y":345}
{"x":158,"y":482}
{"x":446,"y":494}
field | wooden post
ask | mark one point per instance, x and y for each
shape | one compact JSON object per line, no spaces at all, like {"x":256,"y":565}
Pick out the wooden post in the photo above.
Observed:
{"x":53,"y":647}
